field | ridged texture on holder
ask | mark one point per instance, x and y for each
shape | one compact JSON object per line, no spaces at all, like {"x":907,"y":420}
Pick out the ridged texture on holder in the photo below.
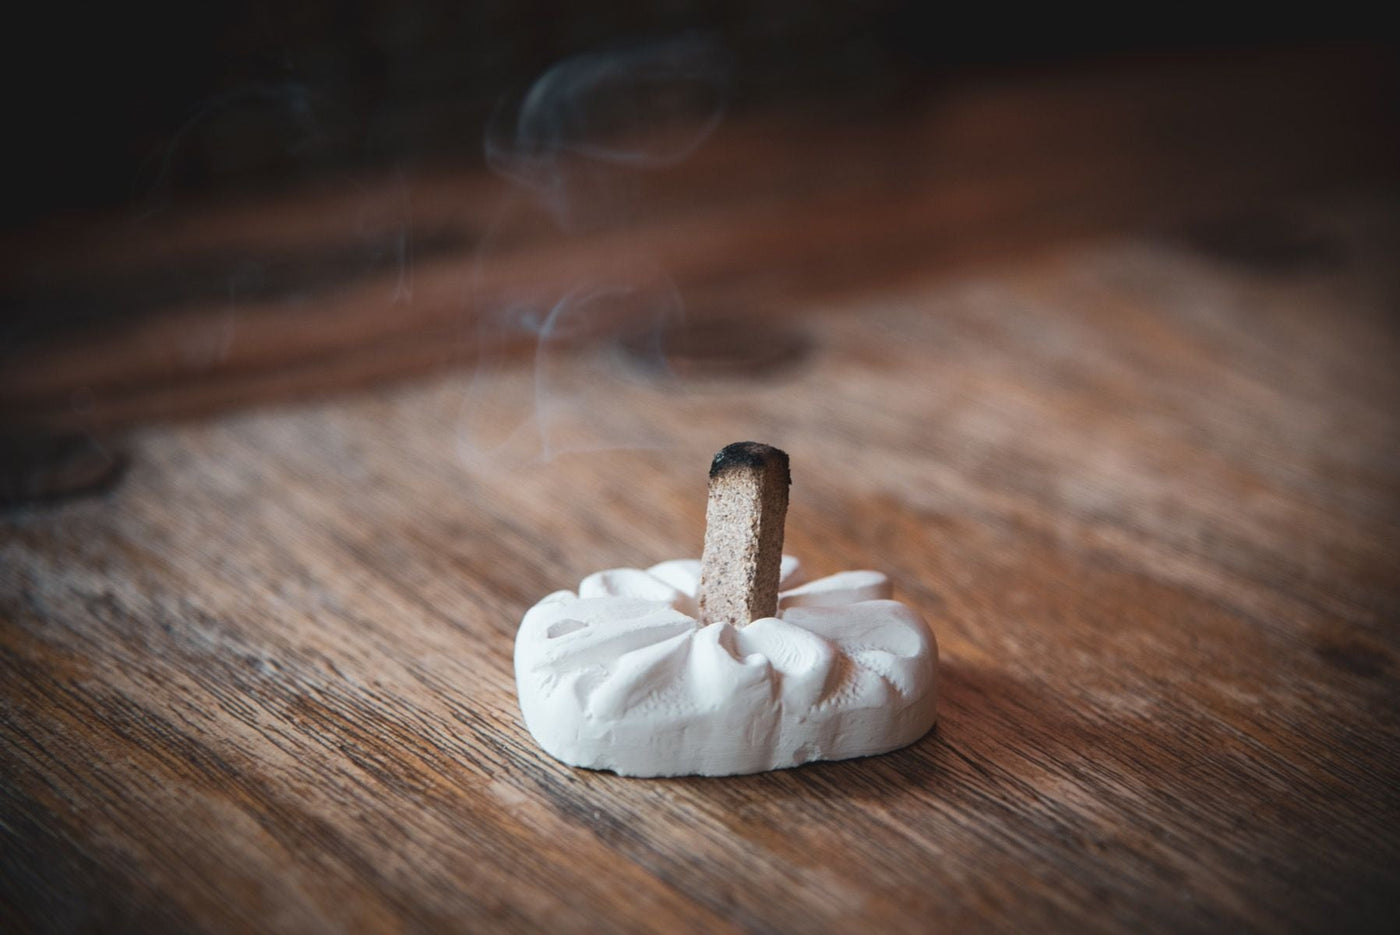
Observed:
{"x":622,"y":676}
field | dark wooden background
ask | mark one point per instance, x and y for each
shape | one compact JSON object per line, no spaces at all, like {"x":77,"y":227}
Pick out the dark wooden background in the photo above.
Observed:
{"x":1099,"y":366}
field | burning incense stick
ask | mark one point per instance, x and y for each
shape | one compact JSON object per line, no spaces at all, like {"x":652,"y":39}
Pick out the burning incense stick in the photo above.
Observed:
{"x":744,"y":534}
{"x":621,"y":676}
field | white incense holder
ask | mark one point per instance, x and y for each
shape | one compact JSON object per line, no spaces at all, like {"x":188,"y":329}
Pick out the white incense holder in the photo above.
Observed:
{"x":623,"y":676}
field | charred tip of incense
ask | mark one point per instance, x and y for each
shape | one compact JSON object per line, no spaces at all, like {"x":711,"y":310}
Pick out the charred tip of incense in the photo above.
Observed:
{"x":750,"y":455}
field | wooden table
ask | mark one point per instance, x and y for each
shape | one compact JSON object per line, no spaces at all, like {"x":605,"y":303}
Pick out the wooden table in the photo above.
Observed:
{"x":1142,"y":483}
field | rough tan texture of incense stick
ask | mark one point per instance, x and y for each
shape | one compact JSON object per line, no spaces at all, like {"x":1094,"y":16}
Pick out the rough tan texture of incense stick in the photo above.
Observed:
{"x":744,"y":534}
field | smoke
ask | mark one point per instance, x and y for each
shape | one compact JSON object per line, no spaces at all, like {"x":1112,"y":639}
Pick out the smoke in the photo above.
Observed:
{"x":291,"y":101}
{"x":591,"y":119}
{"x":573,"y":148}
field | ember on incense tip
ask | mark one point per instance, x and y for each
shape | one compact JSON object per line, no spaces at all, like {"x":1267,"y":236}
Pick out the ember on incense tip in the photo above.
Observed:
{"x":743,"y":554}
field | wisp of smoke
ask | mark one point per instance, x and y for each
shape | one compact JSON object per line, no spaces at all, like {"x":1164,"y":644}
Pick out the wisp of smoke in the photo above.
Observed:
{"x":642,"y":107}
{"x":572,"y":146}
{"x":292,"y":99}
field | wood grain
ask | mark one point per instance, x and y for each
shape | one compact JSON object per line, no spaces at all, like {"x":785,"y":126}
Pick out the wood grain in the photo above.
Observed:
{"x":1146,"y":498}
{"x":1144,"y":485}
{"x":200,"y":307}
